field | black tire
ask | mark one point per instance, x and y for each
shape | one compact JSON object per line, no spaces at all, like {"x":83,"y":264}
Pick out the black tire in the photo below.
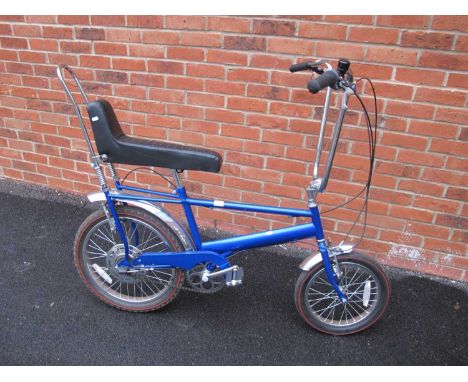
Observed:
{"x":326,"y":313}
{"x":156,"y":288}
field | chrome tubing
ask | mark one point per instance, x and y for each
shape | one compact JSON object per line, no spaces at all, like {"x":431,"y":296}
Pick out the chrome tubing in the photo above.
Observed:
{"x":60,"y":76}
{"x":322,"y":133}
{"x":336,"y":137}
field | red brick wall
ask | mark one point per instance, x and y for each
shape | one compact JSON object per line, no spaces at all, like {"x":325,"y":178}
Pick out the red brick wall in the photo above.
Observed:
{"x":223,"y":82}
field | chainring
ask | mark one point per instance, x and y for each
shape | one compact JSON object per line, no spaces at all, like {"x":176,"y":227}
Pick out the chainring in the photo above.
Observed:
{"x":195,"y":278}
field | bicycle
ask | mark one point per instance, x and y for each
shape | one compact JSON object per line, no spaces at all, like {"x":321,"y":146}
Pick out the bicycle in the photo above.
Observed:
{"x":133,"y":255}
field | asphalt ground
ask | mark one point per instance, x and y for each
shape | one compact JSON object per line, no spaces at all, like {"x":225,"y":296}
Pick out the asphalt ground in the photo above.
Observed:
{"x":48,"y":317}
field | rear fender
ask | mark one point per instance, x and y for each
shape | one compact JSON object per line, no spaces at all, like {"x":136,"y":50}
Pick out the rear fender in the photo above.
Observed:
{"x":156,"y":210}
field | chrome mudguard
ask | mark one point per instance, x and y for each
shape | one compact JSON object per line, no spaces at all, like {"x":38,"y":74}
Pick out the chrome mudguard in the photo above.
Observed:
{"x":310,"y":261}
{"x":155,"y":210}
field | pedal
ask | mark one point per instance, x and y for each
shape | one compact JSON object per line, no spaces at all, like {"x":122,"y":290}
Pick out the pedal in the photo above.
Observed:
{"x":233,"y":275}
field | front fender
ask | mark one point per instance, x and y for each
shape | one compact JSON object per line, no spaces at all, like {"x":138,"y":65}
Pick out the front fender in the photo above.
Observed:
{"x":312,"y":260}
{"x":155,"y":210}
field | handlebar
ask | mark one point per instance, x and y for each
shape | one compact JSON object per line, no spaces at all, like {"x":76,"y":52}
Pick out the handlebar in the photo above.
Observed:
{"x":301,"y":66}
{"x":338,"y":79}
{"x":329,"y":78}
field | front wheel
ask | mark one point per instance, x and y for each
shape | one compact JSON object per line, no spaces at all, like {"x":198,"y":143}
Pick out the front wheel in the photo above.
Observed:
{"x":364,"y":283}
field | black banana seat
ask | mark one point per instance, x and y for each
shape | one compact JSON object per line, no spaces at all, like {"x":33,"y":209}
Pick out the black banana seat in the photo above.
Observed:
{"x":120,"y":148}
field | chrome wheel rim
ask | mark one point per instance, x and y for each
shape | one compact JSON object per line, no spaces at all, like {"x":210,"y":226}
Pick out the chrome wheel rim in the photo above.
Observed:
{"x":103,"y":250}
{"x":360,"y":285}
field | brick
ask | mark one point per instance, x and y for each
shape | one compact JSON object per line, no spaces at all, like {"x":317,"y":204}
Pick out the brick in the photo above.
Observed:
{"x":267,"y":121}
{"x":74,"y":20}
{"x":114,"y":21}
{"x":420,"y":76}
{"x":123,"y":35}
{"x":240,"y":132}
{"x":222,"y":115}
{"x":228,"y":24}
{"x":411,"y":214}
{"x":225,"y":87}
{"x":451,"y":115}
{"x":453,"y":23}
{"x":205,"y":99}
{"x":268,"y":92}
{"x":407,"y":109}
{"x":322,"y":31}
{"x":201,"y":39}
{"x":427,"y":40}
{"x":457,"y":193}
{"x":189,"y":54}
{"x":246,"y":159}
{"x":153,"y":22}
{"x":160,"y":37}
{"x":110,"y":48}
{"x":404,"y":21}
{"x":269,"y":61}
{"x":374,"y":35}
{"x":14,"y":43}
{"x":247,"y":75}
{"x":387,"y":90}
{"x":350,"y":19}
{"x":290,"y":46}
{"x":401,"y":140}
{"x":244,"y":43}
{"x":261,"y":174}
{"x":185,"y":111}
{"x":201,"y":70}
{"x":128,"y":64}
{"x":444,"y":97}
{"x":339,"y":50}
{"x":186,"y":83}
{"x":247,"y":104}
{"x":186,"y":22}
{"x":167,"y":95}
{"x":435,"y":204}
{"x":110,"y":76}
{"x":90,"y":34}
{"x":462,"y":43}
{"x":444,"y":60}
{"x":57,"y":32}
{"x":449,"y":147}
{"x":226,"y":57}
{"x":274,"y":27}
{"x":457,"y":164}
{"x":416,"y":157}
{"x":457,"y":80}
{"x":27,"y":30}
{"x":433,"y":129}
{"x":94,"y":61}
{"x":270,"y":149}
{"x":391,"y":55}
{"x":5,"y":29}
{"x":136,"y":50}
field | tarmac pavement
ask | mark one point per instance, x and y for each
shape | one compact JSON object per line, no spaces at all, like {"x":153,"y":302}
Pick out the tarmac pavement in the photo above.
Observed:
{"x":48,"y":317}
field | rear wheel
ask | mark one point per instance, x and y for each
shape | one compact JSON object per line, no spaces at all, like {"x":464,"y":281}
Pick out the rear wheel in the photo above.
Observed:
{"x":98,"y":250}
{"x":364,"y":283}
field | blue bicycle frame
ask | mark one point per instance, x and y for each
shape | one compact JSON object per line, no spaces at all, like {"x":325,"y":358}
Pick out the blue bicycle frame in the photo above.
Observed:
{"x":218,"y":251}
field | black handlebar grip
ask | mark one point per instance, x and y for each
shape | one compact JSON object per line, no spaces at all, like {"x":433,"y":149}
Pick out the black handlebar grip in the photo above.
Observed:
{"x":300,"y":66}
{"x":329,"y":78}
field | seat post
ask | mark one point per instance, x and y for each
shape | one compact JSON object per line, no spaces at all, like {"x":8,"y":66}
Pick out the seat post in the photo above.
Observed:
{"x":177,"y":179}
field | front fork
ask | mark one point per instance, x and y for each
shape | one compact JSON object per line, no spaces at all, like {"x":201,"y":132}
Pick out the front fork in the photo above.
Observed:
{"x":331,"y":272}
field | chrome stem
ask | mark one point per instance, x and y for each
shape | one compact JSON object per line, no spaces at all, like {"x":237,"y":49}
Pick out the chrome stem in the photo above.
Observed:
{"x":336,"y":136}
